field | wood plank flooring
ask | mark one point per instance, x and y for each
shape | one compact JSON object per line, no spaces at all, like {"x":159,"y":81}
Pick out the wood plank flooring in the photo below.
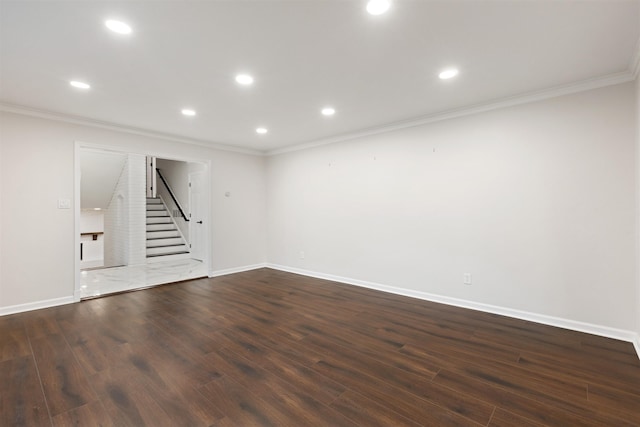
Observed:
{"x":268,"y":348}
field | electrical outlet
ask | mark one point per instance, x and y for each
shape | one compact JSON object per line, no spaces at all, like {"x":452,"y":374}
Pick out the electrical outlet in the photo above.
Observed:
{"x":466,"y":278}
{"x":301,"y":254}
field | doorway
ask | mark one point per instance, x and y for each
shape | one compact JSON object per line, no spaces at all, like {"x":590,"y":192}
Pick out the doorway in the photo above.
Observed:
{"x":128,"y":222}
{"x":100,"y":171}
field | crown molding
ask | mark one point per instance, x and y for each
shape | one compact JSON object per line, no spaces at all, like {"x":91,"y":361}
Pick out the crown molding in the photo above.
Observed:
{"x":67,"y":118}
{"x":585,"y":85}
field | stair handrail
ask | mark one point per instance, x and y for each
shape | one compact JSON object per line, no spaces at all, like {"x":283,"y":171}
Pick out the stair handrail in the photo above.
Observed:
{"x":166,"y":184}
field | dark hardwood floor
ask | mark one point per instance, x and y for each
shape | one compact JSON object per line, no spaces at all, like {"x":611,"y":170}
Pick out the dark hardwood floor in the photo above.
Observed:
{"x":267,"y":348}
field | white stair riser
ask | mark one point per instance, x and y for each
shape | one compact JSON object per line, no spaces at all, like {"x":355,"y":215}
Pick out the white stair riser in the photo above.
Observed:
{"x":151,"y":214}
{"x":166,"y":250}
{"x":152,"y":201}
{"x":155,"y":207}
{"x":168,"y":258}
{"x":161,"y":234}
{"x":163,"y":227}
{"x":151,"y":220}
{"x":164,"y":242}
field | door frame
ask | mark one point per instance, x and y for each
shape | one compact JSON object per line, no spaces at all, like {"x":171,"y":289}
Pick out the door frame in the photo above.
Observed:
{"x":79,"y":146}
{"x":191,"y":226}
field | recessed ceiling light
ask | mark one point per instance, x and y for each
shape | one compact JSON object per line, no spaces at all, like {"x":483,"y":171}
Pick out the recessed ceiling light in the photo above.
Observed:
{"x":262,"y":131}
{"x":80,"y":85}
{"x":188,"y":112}
{"x":118,"y":26}
{"x":447,"y":74}
{"x":328,"y":111}
{"x":244,"y":79}
{"x":97,"y":209}
{"x":378,"y":7}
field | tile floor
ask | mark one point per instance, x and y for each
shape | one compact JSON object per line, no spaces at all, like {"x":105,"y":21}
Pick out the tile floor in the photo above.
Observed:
{"x":117,"y":279}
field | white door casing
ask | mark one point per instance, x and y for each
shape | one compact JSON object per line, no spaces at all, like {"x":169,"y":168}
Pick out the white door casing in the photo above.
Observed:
{"x":151,"y":176}
{"x":197,"y":210}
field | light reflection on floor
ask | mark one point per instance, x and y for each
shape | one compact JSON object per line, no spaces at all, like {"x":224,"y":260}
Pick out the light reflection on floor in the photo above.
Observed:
{"x":117,"y":279}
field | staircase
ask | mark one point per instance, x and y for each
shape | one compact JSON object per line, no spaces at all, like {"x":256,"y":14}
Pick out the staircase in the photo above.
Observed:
{"x":164,"y":240}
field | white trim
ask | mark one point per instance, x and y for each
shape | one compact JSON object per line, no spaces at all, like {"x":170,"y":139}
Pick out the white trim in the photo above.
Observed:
{"x":91,"y":264}
{"x":634,"y":64}
{"x":589,"y":328}
{"x":205,"y":196}
{"x":233,"y":270}
{"x":37,"y":305}
{"x":125,"y":149}
{"x":208,"y":229}
{"x":590,"y":84}
{"x":78,"y":120}
{"x":77,"y":146}
{"x":596,"y":83}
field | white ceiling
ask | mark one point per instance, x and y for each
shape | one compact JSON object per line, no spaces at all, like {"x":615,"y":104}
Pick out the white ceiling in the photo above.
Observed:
{"x":375,"y":70}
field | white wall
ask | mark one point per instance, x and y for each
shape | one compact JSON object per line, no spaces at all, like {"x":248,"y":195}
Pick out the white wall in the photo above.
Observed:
{"x":177,"y":176}
{"x":91,"y":221}
{"x":116,"y":224}
{"x":535,"y":201}
{"x":37,"y":168}
{"x":125,"y":216}
{"x":100,"y":171}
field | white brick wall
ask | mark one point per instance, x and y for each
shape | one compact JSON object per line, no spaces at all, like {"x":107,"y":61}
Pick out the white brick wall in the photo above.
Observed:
{"x":137,"y":209}
{"x":115,"y":226}
{"x":125,"y":218}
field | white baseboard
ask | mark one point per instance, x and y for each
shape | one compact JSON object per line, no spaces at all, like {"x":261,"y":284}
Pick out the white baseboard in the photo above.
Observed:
{"x":589,"y":328}
{"x":226,"y":271}
{"x":12,"y":309}
{"x":605,"y":331}
{"x":92,"y":264}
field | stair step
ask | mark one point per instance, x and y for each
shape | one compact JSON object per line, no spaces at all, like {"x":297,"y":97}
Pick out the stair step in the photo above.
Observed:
{"x":167,"y":254}
{"x":160,"y":227}
{"x":166,"y":250}
{"x":161,"y":234}
{"x":167,"y":241}
{"x":163,"y":238}
{"x":155,"y":207}
{"x":170,"y":257}
{"x":159,"y":220}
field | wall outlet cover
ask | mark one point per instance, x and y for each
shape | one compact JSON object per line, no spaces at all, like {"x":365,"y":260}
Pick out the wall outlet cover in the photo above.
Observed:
{"x":64,"y":204}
